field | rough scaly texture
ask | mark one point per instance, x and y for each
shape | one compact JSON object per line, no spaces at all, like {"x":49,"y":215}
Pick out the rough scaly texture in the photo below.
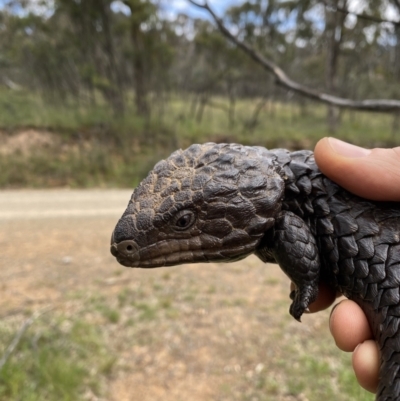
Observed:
{"x":222,"y":202}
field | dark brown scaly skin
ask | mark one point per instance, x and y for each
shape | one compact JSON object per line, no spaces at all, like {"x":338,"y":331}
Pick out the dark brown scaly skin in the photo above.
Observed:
{"x":222,"y":202}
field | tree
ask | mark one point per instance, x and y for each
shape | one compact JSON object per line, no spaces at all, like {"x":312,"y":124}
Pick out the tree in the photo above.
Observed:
{"x":91,"y":27}
{"x":85,"y":51}
{"x":334,"y":31}
{"x":380,"y":105}
{"x":141,"y":13}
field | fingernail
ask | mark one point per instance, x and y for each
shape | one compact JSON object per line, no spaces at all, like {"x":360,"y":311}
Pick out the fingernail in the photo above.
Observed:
{"x":333,"y":309}
{"x":331,"y":314}
{"x":346,"y":149}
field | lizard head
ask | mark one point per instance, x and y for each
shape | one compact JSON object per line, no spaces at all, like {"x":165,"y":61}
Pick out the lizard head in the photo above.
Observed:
{"x":208,"y":203}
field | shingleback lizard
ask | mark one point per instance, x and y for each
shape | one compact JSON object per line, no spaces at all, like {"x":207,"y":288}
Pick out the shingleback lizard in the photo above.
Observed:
{"x":223,"y":202}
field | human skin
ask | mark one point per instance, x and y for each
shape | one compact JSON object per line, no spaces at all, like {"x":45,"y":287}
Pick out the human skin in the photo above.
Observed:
{"x":373,"y":174}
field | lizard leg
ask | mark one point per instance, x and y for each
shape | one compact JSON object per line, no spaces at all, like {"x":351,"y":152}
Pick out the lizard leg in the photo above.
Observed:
{"x":295,"y":250}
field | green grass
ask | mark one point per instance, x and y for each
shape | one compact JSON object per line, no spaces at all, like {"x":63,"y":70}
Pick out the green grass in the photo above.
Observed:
{"x":313,"y":370}
{"x":148,"y":328}
{"x":95,"y":149}
{"x":55,"y":360}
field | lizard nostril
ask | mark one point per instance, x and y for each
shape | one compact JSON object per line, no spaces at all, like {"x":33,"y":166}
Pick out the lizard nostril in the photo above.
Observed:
{"x":127,"y":248}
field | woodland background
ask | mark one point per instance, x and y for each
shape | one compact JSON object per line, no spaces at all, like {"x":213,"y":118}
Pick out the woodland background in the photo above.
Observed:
{"x":94,"y":92}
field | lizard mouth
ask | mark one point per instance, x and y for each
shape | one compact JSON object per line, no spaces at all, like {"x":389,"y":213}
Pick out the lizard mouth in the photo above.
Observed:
{"x":172,"y":253}
{"x":163,"y":253}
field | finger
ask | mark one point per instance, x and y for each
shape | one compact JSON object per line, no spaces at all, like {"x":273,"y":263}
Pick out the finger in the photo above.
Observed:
{"x":326,"y":297}
{"x":366,"y":365}
{"x":349,"y":326}
{"x":372,"y":174}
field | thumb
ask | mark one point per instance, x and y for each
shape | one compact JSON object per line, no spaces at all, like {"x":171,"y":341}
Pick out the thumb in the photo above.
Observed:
{"x":370,"y":173}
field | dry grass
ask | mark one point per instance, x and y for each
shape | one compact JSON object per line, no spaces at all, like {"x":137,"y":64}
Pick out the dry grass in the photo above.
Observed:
{"x":73,"y":146}
{"x":199,"y":333}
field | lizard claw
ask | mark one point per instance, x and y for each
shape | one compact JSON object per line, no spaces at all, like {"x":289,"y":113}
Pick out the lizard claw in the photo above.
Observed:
{"x":302,"y":297}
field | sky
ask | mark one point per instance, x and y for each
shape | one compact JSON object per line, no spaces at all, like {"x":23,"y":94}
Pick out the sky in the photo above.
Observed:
{"x":172,"y":7}
{"x":184,"y":6}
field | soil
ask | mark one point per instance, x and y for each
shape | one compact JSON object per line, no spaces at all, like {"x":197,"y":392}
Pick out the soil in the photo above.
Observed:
{"x":26,"y":141}
{"x":211,"y":332}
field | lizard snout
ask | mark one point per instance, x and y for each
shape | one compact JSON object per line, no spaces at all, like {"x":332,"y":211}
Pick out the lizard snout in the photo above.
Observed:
{"x":125,"y":250}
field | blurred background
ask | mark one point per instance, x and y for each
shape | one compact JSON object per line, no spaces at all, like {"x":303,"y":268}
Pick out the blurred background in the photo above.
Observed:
{"x":92,"y":94}
{"x":102,"y":89}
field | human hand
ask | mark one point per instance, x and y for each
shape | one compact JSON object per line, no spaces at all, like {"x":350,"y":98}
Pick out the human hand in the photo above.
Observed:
{"x":369,"y":173}
{"x":373,"y":174}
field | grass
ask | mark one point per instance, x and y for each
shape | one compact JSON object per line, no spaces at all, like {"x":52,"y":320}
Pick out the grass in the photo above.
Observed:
{"x":54,"y":361}
{"x":145,"y":332}
{"x":94,"y":149}
{"x":312,"y":370}
{"x":328,"y":379}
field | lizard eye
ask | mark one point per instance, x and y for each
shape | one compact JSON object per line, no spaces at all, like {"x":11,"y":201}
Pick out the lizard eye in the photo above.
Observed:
{"x":184,"y":220}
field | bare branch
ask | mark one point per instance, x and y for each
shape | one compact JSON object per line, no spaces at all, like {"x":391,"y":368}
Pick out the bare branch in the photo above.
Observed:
{"x":360,"y":15}
{"x":198,"y":4}
{"x":375,"y":105}
{"x":16,"y":340}
{"x":14,"y":343}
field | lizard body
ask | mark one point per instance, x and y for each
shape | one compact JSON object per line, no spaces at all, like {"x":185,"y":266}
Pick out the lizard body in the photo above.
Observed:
{"x":222,"y":202}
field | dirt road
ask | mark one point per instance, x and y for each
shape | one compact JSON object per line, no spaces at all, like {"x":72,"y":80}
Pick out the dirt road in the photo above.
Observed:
{"x":198,"y":333}
{"x":46,"y":235}
{"x":41,"y":204}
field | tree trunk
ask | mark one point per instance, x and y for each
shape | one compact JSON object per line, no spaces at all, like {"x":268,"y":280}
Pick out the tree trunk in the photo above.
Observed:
{"x":115,"y":92}
{"x":142,"y":106}
{"x":202,"y":106}
{"x":232,"y":103}
{"x":396,"y":116}
{"x":333,"y":31}
{"x":193,"y":106}
{"x":251,"y":124}
{"x":140,"y":12}
{"x":396,"y":3}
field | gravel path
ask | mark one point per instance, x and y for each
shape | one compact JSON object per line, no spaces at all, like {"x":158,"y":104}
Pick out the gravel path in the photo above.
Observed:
{"x":41,"y":204}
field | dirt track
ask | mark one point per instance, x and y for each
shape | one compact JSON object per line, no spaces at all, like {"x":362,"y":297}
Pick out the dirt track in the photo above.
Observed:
{"x":53,"y":241}
{"x":198,"y":333}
